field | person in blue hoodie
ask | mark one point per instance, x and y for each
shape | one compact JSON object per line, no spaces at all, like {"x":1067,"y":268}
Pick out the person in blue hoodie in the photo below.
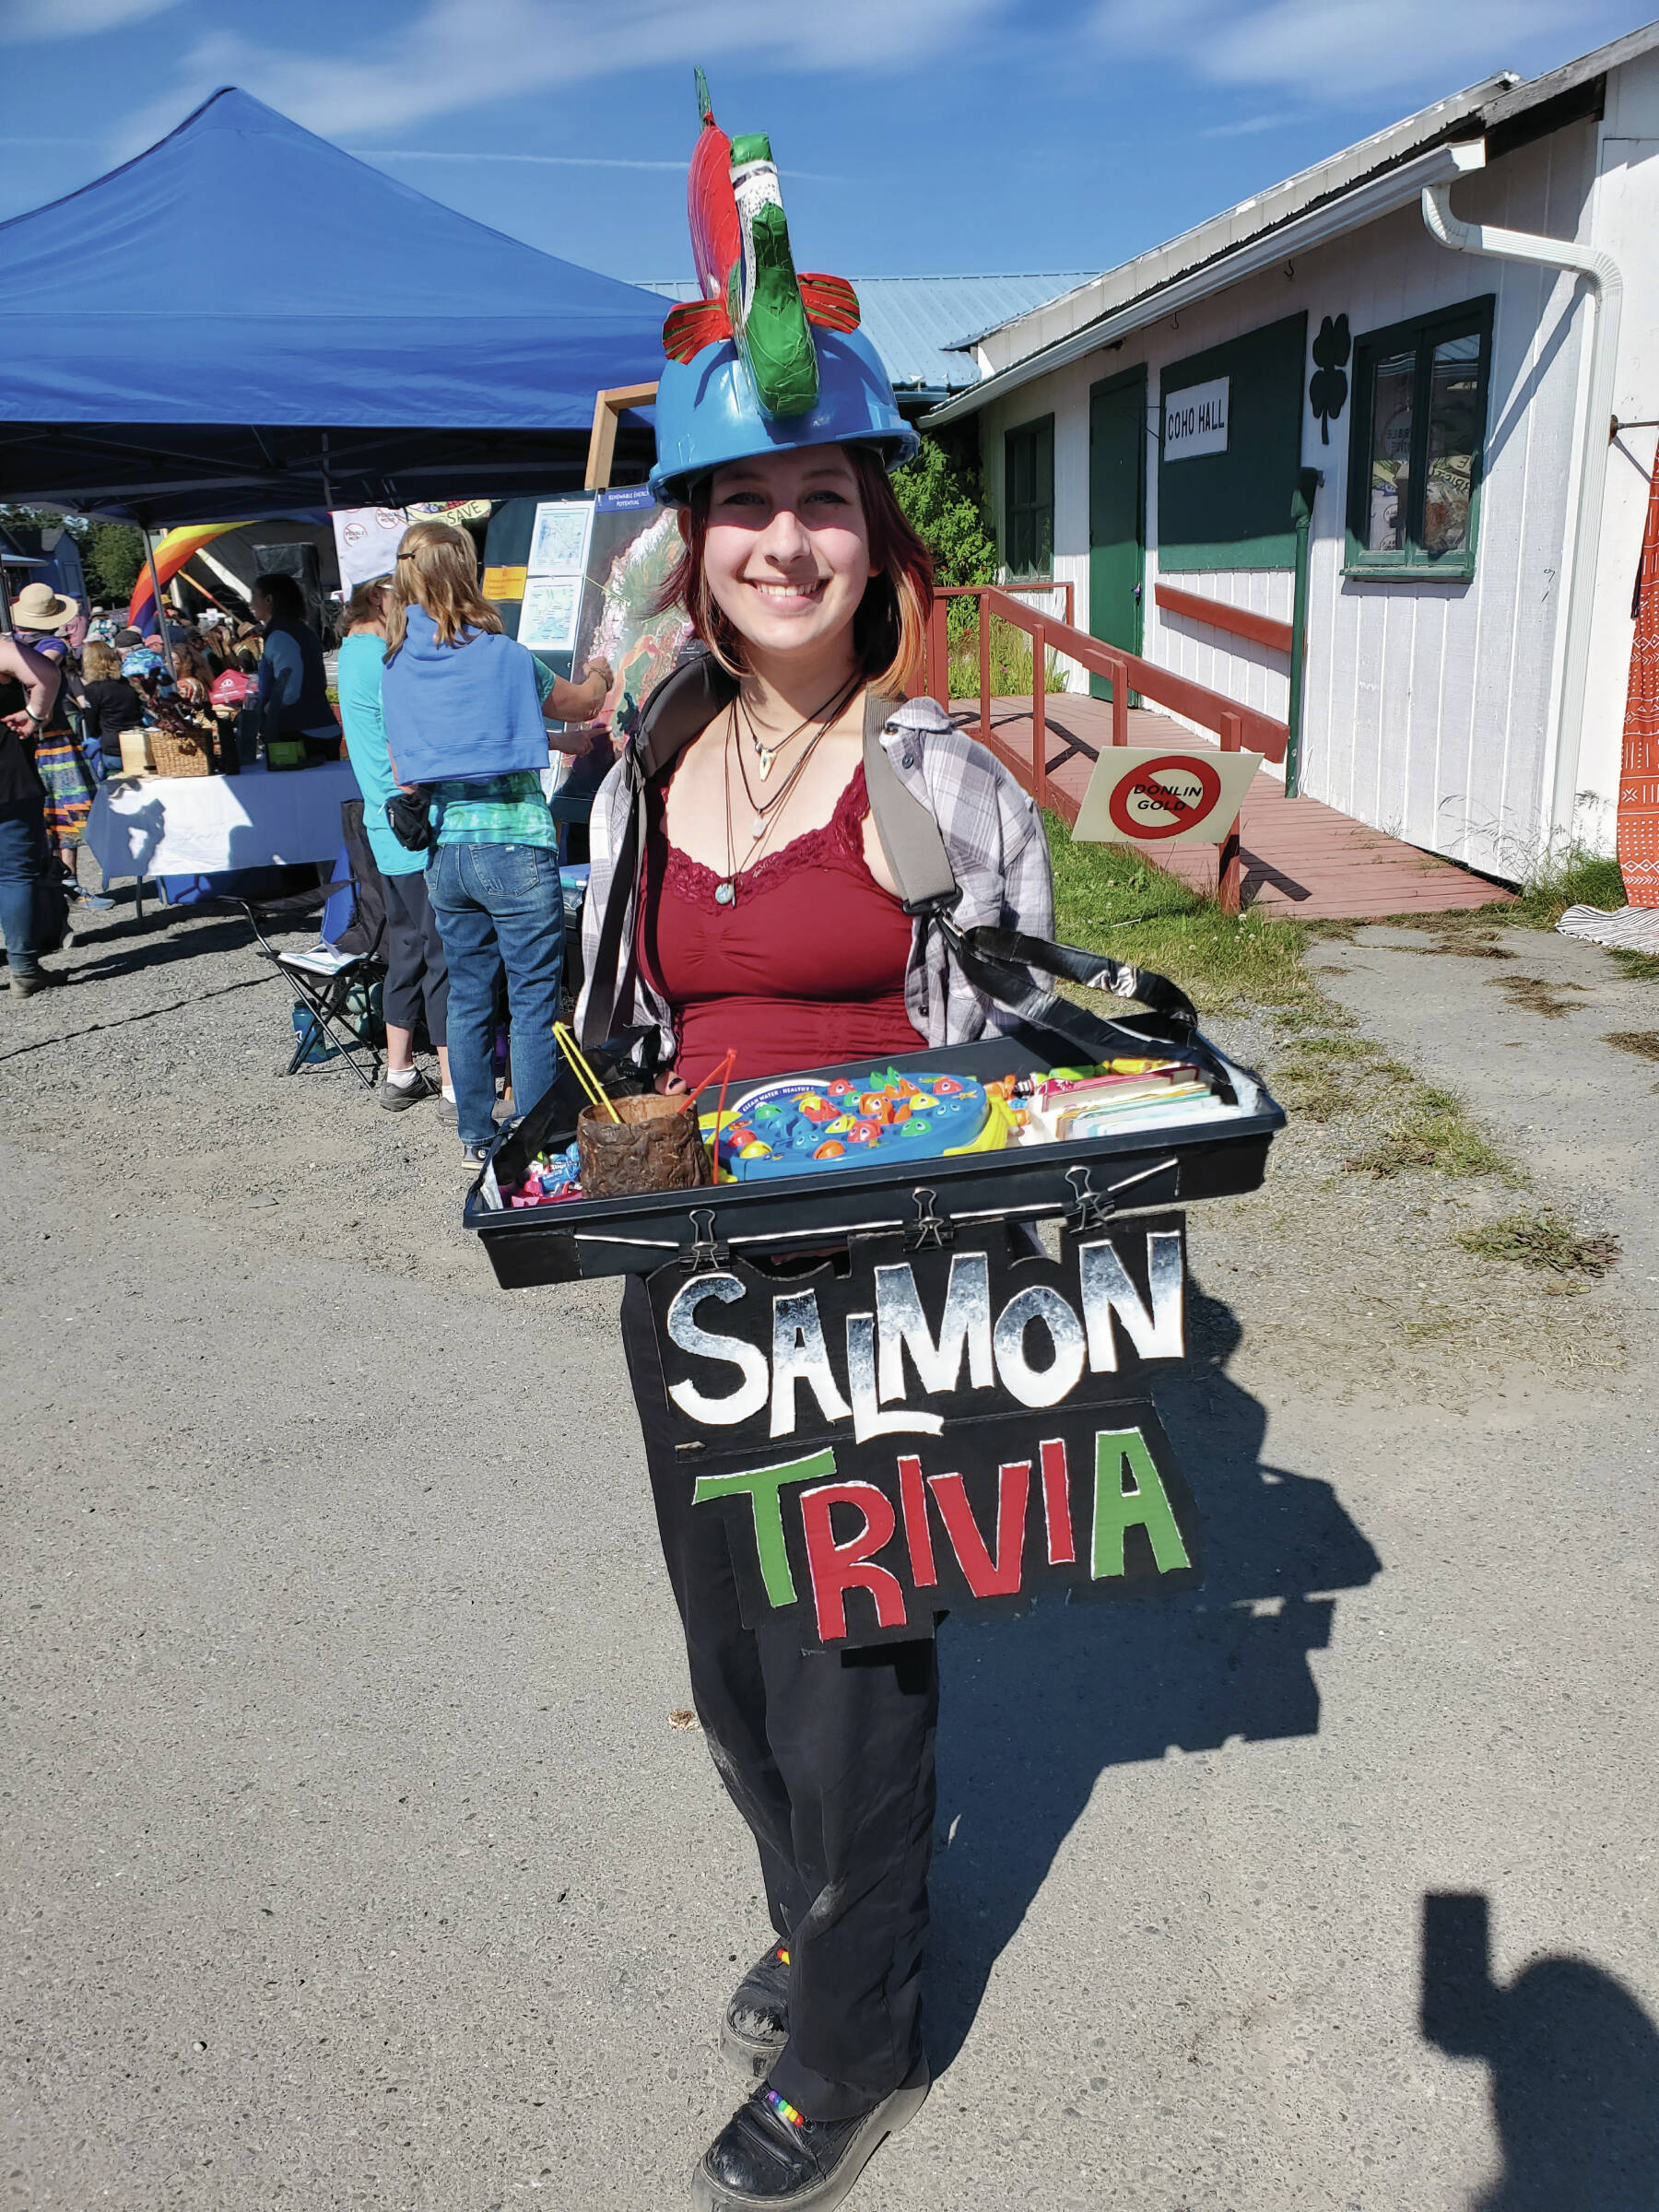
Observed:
{"x":466,"y":721}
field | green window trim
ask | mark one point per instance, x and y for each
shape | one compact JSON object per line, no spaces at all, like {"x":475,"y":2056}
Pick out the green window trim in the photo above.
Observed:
{"x":1414,"y":370}
{"x":1029,"y":499}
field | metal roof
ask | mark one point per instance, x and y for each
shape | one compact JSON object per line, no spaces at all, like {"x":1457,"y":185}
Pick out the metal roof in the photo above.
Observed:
{"x":1338,"y":194}
{"x":916,"y":322}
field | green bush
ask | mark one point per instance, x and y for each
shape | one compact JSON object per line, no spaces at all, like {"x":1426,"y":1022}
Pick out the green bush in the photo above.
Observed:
{"x":112,"y":555}
{"x":942,"y":498}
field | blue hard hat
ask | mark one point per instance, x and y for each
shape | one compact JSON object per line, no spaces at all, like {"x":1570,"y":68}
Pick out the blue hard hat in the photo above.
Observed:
{"x":708,"y":412}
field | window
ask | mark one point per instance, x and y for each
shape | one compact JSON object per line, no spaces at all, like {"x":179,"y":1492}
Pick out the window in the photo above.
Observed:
{"x":1029,"y":499}
{"x":1416,"y":444}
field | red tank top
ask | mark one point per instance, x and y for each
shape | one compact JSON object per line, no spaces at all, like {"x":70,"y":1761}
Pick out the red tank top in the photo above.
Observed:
{"x":806,"y":968}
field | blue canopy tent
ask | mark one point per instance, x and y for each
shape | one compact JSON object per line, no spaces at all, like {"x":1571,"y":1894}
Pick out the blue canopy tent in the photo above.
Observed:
{"x":357,"y":343}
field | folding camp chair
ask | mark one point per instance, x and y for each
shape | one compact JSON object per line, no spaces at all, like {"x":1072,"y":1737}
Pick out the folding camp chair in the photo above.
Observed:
{"x":322,"y":978}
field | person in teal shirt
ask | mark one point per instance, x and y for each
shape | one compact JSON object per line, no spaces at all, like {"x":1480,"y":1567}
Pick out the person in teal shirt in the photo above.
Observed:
{"x":417,"y":970}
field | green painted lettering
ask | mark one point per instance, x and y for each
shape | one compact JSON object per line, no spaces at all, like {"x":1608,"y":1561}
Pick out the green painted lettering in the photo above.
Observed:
{"x":1146,"y":1505}
{"x":764,"y":1488}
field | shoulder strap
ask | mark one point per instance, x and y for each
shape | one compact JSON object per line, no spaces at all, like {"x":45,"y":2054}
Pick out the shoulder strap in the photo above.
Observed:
{"x":909,"y":835}
{"x":681,"y":709}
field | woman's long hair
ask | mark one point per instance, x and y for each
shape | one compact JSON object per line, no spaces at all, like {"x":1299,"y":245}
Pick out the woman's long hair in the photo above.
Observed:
{"x":889,"y":629}
{"x":100,"y":662}
{"x":438,"y":568}
{"x":364,"y":605}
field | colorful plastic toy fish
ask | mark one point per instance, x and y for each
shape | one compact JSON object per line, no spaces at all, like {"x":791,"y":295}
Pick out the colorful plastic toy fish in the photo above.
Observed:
{"x":751,"y":292}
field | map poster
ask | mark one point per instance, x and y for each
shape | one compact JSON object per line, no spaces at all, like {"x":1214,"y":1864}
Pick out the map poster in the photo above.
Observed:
{"x":559,"y":544}
{"x":549,"y":617}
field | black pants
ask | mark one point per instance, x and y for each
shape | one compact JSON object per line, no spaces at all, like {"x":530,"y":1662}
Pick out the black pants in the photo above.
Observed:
{"x":417,"y":973}
{"x":829,"y":1757}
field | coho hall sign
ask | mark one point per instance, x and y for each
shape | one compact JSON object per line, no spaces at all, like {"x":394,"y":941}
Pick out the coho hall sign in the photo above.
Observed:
{"x":957,"y":1429}
{"x":1195,"y":420}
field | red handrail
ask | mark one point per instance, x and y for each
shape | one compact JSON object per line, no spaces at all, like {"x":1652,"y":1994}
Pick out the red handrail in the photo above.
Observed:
{"x":1237,"y":727}
{"x":1237,"y":622}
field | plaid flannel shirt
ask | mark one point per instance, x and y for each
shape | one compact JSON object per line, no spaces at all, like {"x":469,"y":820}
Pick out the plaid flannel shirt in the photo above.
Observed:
{"x":993,"y":834}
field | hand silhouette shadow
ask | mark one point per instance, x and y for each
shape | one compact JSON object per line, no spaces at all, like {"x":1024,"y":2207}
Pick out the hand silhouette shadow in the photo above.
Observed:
{"x":1034,"y":1710}
{"x":1574,"y":2062}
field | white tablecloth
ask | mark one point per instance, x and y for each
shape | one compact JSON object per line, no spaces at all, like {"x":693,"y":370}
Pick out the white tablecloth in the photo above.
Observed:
{"x":202,"y":825}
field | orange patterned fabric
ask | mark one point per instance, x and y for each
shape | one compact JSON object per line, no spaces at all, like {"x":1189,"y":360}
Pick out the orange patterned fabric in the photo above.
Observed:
{"x":1639,"y":777}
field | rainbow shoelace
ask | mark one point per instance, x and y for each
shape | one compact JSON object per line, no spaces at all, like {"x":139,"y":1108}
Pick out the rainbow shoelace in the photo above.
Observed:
{"x":784,"y":2109}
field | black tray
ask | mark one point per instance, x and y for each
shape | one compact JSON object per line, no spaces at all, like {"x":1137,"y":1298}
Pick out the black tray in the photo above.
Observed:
{"x":1085,"y":1180}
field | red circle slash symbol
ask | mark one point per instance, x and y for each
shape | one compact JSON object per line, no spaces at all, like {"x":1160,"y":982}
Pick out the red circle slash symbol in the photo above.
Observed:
{"x":1161,"y":784}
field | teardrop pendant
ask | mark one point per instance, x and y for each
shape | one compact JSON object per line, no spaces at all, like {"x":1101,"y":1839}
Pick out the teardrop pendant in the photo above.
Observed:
{"x":724,"y":893}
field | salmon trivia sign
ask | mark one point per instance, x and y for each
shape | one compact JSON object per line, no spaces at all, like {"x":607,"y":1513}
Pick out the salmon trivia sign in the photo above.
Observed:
{"x":955,"y":1430}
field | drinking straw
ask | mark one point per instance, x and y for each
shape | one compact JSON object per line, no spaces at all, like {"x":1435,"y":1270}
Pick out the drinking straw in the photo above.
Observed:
{"x":585,"y":1074}
{"x":723,"y":1068}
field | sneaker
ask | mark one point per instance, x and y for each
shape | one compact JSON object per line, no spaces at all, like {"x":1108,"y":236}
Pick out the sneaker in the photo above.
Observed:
{"x":395,"y":1097}
{"x":445,"y":1108}
{"x":755,"y":2026}
{"x":769,"y":2154}
{"x":473,"y":1156}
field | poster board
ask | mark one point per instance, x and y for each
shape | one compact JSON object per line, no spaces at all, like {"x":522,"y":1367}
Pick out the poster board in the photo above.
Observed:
{"x":366,"y":540}
{"x":578,"y":578}
{"x":964,"y":1428}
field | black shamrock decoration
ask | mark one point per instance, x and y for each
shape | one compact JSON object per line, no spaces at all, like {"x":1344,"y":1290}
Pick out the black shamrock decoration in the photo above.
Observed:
{"x":1328,"y":390}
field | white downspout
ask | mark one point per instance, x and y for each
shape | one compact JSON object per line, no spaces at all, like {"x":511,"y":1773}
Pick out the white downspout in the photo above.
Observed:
{"x":1606,"y":291}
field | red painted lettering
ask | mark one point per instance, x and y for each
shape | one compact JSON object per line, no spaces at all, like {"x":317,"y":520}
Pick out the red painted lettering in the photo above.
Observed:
{"x":917,"y":1535}
{"x":1056,"y":1504}
{"x":838,"y":1567}
{"x":986,"y":1577}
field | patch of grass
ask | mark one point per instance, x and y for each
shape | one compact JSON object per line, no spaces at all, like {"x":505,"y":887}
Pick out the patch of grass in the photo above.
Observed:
{"x":1432,"y":1132}
{"x":1011,"y":663}
{"x":1644,"y":1043}
{"x":1534,"y":996}
{"x":1543,"y":1240}
{"x":1110,"y":899}
{"x":1579,"y":878}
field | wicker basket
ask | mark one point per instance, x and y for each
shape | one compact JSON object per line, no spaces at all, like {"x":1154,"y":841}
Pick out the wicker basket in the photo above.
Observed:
{"x":181,"y":753}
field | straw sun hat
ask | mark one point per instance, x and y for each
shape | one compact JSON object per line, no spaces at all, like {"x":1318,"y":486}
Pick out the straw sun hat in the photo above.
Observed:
{"x":38,"y":607}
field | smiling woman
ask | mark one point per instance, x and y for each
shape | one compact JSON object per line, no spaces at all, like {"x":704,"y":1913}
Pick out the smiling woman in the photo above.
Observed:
{"x":759,"y":917}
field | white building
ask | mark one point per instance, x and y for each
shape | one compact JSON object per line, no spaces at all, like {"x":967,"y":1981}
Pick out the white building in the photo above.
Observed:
{"x":1475,"y":529}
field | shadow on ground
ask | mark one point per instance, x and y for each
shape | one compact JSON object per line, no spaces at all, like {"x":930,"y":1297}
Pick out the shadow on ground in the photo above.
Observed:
{"x":1035,"y":1710}
{"x":1574,"y":2063}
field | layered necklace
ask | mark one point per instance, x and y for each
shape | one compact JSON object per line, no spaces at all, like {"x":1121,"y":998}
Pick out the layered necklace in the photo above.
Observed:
{"x":765,"y":812}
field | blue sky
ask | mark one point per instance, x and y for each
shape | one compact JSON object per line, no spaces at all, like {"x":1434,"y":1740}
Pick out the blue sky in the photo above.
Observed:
{"x":916,"y":137}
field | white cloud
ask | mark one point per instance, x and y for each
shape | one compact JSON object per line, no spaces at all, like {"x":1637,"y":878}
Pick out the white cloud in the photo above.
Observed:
{"x":73,"y":18}
{"x":462,"y":54}
{"x":1337,"y":49}
{"x":1247,"y":127}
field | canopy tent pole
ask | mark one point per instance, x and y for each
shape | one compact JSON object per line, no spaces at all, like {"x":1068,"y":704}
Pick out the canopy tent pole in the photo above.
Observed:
{"x":149,"y":555}
{"x":6,"y":613}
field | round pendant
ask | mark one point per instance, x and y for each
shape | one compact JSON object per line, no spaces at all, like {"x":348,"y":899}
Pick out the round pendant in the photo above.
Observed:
{"x":724,"y":893}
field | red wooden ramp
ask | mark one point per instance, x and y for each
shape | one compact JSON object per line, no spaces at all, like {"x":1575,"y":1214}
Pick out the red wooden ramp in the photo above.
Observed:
{"x":1298,"y":857}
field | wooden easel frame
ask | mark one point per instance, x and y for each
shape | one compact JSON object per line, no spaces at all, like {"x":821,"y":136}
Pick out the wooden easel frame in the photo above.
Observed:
{"x":607,"y":412}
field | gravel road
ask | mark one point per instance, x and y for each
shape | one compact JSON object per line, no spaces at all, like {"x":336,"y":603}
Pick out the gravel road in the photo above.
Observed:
{"x":349,"y":1855}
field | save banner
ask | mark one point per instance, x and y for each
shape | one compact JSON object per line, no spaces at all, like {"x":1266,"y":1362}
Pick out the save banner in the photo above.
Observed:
{"x":934,"y":1430}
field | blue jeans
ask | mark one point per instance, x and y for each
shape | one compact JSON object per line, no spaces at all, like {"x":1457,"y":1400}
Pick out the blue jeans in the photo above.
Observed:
{"x":499,"y":906}
{"x":26,"y":878}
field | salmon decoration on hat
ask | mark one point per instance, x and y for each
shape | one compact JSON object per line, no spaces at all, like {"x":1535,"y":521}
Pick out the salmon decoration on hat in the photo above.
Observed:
{"x":768,"y":358}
